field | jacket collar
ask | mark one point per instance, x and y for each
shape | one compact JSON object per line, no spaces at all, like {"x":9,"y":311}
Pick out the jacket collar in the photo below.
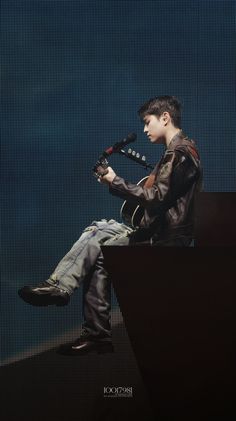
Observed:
{"x":178,"y":137}
{"x":181,"y":141}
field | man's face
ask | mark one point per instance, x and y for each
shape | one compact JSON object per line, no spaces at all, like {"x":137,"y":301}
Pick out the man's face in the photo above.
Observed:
{"x":155,"y":128}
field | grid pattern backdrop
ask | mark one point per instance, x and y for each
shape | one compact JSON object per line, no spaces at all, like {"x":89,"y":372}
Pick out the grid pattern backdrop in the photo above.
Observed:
{"x":74,"y":75}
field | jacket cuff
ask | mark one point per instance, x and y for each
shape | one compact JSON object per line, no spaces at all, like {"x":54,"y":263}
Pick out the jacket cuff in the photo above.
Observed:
{"x":117,"y":187}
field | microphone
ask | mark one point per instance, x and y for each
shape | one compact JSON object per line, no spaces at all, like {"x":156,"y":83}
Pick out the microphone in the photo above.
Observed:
{"x":119,"y":145}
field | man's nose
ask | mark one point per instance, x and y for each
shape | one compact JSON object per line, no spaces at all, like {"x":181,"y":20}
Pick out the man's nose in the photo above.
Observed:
{"x":145,"y":129}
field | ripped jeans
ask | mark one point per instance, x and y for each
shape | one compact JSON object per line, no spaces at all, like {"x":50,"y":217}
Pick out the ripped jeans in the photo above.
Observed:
{"x":84,"y":263}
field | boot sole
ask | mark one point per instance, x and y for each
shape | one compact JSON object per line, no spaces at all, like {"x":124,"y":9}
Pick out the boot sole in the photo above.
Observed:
{"x":41,"y":301}
{"x":101,"y":349}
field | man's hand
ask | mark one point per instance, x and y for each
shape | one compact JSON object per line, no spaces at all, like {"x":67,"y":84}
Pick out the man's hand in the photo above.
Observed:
{"x":109,"y":177}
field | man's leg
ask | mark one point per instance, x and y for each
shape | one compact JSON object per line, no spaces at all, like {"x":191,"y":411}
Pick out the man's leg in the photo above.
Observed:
{"x":97,"y":303}
{"x":82,"y":257}
{"x":96,"y":329}
{"x":74,"y":266}
{"x":97,"y":292}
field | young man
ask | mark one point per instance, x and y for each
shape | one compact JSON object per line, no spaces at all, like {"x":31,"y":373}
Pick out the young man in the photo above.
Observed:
{"x":167,"y":198}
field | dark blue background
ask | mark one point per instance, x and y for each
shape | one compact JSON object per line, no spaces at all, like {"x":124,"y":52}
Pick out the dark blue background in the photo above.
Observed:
{"x":74,"y":75}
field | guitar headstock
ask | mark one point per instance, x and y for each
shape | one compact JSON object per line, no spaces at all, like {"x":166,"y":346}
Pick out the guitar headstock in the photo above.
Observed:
{"x":100,"y":168}
{"x":136,"y":156}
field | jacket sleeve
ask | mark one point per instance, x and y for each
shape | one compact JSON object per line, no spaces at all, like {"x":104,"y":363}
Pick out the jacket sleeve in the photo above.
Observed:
{"x":174,"y":178}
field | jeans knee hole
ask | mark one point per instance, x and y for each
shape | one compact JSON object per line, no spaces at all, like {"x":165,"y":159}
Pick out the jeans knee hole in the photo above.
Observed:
{"x":90,"y":229}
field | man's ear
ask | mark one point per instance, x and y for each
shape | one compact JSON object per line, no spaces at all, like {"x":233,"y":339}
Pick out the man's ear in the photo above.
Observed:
{"x":165,"y":117}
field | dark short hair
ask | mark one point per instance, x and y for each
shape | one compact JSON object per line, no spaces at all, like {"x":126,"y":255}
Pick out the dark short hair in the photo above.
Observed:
{"x":159,"y":105}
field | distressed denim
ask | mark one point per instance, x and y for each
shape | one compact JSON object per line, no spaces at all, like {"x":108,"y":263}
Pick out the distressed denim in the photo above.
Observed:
{"x":84,"y":263}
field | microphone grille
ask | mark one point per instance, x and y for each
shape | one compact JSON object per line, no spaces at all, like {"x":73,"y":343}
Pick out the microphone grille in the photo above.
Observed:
{"x":132,"y":137}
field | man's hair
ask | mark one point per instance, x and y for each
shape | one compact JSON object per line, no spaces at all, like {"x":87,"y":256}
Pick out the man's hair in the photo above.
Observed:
{"x":159,"y":105}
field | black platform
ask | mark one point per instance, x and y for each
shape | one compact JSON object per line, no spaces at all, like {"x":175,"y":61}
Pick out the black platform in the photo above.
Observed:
{"x":179,"y":310}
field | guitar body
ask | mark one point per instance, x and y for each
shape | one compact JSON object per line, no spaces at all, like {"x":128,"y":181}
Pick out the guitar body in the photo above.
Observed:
{"x":131,"y":213}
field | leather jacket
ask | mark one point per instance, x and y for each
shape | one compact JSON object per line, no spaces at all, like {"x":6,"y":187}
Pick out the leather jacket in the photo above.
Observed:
{"x":169,"y":203}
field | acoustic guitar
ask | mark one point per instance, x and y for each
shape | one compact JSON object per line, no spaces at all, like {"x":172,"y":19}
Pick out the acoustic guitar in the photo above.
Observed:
{"x":131,"y":213}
